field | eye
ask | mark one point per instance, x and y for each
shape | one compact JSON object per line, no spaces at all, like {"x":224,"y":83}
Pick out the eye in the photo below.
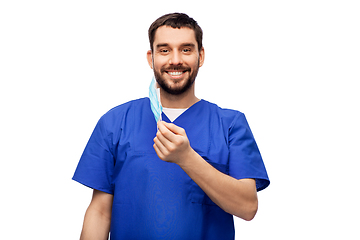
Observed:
{"x":186,"y":50}
{"x":164,"y":51}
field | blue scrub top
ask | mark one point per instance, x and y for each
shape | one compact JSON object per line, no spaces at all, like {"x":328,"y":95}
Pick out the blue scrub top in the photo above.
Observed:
{"x":154,"y":199}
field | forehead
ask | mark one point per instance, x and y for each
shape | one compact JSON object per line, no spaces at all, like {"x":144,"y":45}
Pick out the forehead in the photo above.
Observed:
{"x":174,"y":36}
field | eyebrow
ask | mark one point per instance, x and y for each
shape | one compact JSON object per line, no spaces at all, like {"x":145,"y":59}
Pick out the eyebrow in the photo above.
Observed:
{"x":188,"y":45}
{"x":162,"y":45}
{"x":182,"y":45}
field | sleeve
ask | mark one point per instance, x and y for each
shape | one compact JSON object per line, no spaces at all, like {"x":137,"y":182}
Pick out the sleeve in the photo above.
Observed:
{"x":96,"y":165}
{"x":245,"y":160}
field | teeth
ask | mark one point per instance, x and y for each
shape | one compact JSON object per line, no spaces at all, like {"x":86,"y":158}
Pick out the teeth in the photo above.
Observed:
{"x":175,"y":73}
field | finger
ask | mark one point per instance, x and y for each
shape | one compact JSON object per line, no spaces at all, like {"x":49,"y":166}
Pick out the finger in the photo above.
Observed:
{"x":166,"y":132}
{"x":159,"y":144}
{"x":173,"y":128}
{"x":158,"y":152}
{"x":165,"y":145}
{"x":161,"y":138}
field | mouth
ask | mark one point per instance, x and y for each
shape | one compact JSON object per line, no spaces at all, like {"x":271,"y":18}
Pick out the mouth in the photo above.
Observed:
{"x":176,"y":73}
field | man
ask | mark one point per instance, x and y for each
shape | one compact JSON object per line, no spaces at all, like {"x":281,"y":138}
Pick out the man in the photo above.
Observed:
{"x":180,"y":178}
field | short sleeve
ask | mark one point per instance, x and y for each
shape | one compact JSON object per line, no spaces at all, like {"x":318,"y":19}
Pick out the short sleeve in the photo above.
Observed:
{"x":245,"y":159}
{"x":96,"y":165}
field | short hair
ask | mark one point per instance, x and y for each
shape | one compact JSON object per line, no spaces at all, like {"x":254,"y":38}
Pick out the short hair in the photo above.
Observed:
{"x":176,"y":20}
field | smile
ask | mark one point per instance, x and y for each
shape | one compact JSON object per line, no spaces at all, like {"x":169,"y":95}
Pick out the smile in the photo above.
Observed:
{"x":175,"y":73}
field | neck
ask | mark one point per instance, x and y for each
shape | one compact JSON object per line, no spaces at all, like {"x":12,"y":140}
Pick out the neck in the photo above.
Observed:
{"x":184,"y":100}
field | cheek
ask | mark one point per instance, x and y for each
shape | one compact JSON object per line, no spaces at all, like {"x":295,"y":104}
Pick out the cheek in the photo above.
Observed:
{"x":192,"y":62}
{"x":158,"y":63}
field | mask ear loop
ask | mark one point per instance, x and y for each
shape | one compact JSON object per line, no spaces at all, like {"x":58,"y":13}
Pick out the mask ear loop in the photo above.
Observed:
{"x":159,"y":99}
{"x":154,"y":95}
{"x":157,"y":102}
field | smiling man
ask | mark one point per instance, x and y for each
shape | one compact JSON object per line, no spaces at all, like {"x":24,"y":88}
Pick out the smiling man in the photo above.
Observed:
{"x":181,"y":178}
{"x":178,"y":59}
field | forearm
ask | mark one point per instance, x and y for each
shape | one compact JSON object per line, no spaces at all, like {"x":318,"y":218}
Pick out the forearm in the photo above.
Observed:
{"x":237,"y":197}
{"x":96,"y":225}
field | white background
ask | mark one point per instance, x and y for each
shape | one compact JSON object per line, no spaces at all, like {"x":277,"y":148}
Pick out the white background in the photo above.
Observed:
{"x":293,"y":67}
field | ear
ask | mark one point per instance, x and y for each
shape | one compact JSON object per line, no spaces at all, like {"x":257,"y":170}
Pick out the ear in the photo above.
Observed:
{"x":201,"y":56}
{"x":149,"y":58}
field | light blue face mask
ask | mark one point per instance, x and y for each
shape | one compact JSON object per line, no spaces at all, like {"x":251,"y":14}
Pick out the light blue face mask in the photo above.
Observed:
{"x":154,"y":95}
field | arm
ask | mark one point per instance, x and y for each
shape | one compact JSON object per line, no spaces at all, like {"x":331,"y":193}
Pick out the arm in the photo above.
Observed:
{"x":97,"y":217}
{"x":237,"y":197}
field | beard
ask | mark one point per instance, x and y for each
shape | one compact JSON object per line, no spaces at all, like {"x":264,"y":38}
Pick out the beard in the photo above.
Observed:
{"x":176,"y":89}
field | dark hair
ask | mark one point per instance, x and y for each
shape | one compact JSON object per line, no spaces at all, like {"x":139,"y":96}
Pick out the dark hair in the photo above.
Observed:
{"x":175,"y":20}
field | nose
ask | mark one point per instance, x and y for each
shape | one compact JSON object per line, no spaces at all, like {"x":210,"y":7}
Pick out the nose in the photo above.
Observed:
{"x":175,"y":58}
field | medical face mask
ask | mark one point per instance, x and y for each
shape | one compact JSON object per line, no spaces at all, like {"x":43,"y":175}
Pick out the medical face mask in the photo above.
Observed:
{"x":154,"y":95}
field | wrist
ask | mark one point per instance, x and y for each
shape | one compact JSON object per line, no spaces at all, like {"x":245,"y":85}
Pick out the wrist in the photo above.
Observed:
{"x":189,"y":159}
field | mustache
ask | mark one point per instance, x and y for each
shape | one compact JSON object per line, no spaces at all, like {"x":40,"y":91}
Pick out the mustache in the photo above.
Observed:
{"x":180,"y":69}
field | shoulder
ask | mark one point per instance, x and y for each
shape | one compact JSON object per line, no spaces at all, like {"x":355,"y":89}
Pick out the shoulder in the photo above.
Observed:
{"x":227,"y":116}
{"x":115,"y":116}
{"x":126,"y":106}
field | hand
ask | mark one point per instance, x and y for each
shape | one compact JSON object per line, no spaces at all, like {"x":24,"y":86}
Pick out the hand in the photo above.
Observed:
{"x":171,"y":143}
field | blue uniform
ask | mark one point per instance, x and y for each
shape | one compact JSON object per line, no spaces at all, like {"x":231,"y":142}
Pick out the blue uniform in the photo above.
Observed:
{"x":154,"y":199}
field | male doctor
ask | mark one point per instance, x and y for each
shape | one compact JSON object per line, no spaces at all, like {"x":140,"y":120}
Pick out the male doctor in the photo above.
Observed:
{"x":184,"y":177}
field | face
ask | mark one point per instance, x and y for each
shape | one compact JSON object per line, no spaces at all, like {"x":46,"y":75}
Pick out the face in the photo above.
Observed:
{"x":175,"y":59}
